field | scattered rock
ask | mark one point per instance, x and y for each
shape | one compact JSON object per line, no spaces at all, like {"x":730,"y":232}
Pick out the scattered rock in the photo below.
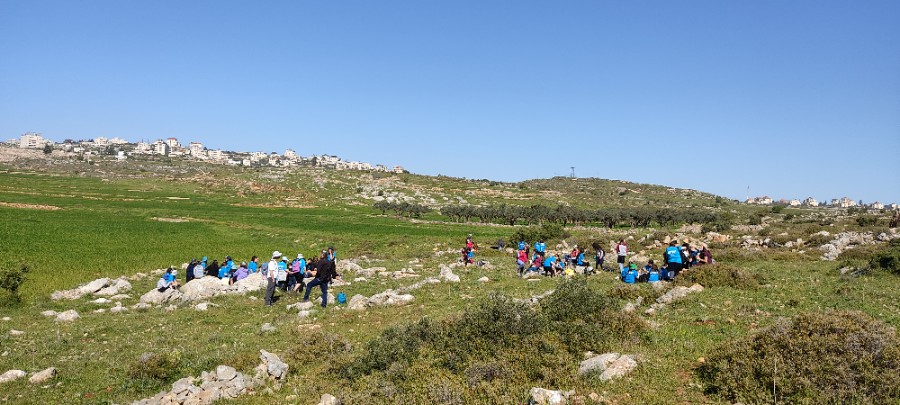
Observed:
{"x":448,"y":275}
{"x":540,"y":396}
{"x":328,"y":399}
{"x":204,"y":306}
{"x":6,"y":319}
{"x":144,"y":305}
{"x":300,"y":305}
{"x":67,"y":316}
{"x":304,"y":314}
{"x":678,"y":293}
{"x":226,"y":373}
{"x":276,"y":368}
{"x":484,"y":279}
{"x":11,"y":375}
{"x":82,"y":290}
{"x":267,"y":328}
{"x":43,"y":376}
{"x":48,"y":313}
{"x":119,"y":308}
{"x":358,"y":302}
{"x":117,"y":286}
{"x":14,"y":332}
{"x":609,"y":365}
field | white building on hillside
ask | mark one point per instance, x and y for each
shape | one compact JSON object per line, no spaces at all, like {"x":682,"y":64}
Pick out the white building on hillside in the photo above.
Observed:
{"x":117,"y":141}
{"x":810,"y":202}
{"x":101,"y":141}
{"x":143,"y":148}
{"x":794,"y":203}
{"x":290,"y":154}
{"x":197,"y":148}
{"x":31,"y":140}
{"x":173,"y":143}
{"x":255,"y":157}
{"x":843,"y":202}
{"x":161,"y":148}
{"x":765,"y":200}
{"x":217,"y":155}
{"x":877,"y":205}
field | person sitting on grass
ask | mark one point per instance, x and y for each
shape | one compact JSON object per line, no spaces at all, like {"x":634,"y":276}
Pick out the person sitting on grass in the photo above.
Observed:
{"x":548,"y":264}
{"x":704,"y":257}
{"x":168,"y":280}
{"x":631,"y":274}
{"x":535,"y":265}
{"x":241,"y":273}
{"x":213,"y":269}
{"x":189,"y":272}
{"x":559,"y":266}
{"x":652,"y":272}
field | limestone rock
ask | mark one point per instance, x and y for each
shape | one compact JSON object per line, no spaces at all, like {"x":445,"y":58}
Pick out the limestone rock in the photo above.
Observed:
{"x":14,"y":332}
{"x":276,"y":368}
{"x":117,"y":286}
{"x":597,"y":363}
{"x":155,"y":297}
{"x":203,"y":288}
{"x":609,"y":365}
{"x":448,"y":275}
{"x":225,"y":373}
{"x":484,"y":279}
{"x":331,"y":299}
{"x":328,"y":399}
{"x":358,"y":302}
{"x":48,"y":313}
{"x":253,"y":282}
{"x":118,"y":308}
{"x":678,"y":293}
{"x":267,"y":327}
{"x":300,"y":305}
{"x":11,"y":375}
{"x":540,"y":396}
{"x":143,"y":305}
{"x":67,"y":316}
{"x":43,"y":376}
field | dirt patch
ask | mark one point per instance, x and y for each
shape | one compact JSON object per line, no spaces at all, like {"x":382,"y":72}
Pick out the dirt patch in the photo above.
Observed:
{"x":177,"y":198}
{"x":30,"y":206}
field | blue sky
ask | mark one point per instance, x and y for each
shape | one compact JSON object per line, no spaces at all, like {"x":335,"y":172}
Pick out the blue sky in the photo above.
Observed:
{"x":789,"y":98}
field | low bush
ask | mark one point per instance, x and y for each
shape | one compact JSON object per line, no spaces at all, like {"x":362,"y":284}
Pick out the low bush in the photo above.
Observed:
{"x":834,"y":357}
{"x":156,"y":368}
{"x":12,"y":276}
{"x":719,"y":275}
{"x":888,"y":260}
{"x":496,"y":348}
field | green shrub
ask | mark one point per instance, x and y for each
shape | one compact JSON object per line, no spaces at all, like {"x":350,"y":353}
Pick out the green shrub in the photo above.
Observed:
{"x":624,"y":292}
{"x":719,"y":275}
{"x":888,"y":260}
{"x":866,"y":220}
{"x":835,"y":357}
{"x":12,"y":277}
{"x":158,"y":368}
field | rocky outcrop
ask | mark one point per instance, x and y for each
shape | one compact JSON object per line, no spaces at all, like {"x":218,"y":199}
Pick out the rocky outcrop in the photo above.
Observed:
{"x":154,"y":297}
{"x":388,"y":298}
{"x":222,"y":384}
{"x":671,"y":296}
{"x":609,"y":365}
{"x":541,"y":396}
{"x":101,"y":286}
{"x":67,"y":316}
{"x":448,"y":275}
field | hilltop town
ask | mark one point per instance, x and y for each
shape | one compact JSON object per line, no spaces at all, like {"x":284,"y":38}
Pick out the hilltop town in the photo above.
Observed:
{"x":122,"y":149}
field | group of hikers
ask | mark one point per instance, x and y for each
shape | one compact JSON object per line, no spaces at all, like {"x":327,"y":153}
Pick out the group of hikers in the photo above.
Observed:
{"x":675,"y":259}
{"x":280,"y":273}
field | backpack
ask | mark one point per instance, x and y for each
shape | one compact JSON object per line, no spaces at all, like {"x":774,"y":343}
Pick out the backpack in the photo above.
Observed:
{"x":295,"y":267}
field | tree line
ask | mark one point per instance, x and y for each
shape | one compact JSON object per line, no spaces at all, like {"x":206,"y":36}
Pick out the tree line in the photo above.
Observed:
{"x":539,"y":214}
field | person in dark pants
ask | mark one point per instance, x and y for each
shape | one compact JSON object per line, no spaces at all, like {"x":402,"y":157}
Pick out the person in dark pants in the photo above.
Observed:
{"x":325,"y":272}
{"x":272,"y":277}
{"x":673,"y":259}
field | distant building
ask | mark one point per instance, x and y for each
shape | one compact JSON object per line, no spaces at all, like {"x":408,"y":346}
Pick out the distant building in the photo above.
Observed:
{"x":794,"y":203}
{"x":143,"y":148}
{"x":161,"y":148}
{"x":117,"y":141}
{"x":843,"y":203}
{"x":196,"y":148}
{"x":290,"y":154}
{"x":810,"y":202}
{"x":31,"y":140}
{"x":877,"y":205}
{"x":765,"y":200}
{"x":101,"y":141}
{"x":217,"y":155}
{"x":255,"y":157}
{"x":894,"y":206}
{"x":398,"y":169}
{"x":173,"y":143}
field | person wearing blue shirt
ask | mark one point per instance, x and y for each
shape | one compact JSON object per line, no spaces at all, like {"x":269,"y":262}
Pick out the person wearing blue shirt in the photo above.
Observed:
{"x":253,"y":266}
{"x":168,"y":280}
{"x":521,"y":245}
{"x":673,"y":259}
{"x":549,"y":261}
{"x":540,"y":247}
{"x":630,"y":276}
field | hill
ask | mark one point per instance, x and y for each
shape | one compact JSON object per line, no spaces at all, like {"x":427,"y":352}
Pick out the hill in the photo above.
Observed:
{"x":469,"y":341}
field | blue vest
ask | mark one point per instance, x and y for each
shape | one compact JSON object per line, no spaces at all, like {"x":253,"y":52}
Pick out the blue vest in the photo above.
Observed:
{"x":253,"y":266}
{"x":521,"y":245}
{"x":673,"y":254}
{"x":630,"y":277}
{"x":654,"y":277}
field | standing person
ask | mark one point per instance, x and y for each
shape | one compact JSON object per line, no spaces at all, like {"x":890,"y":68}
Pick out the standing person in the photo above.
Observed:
{"x":521,"y":258}
{"x":324,"y":274}
{"x":272,"y":277}
{"x":672,"y":258}
{"x":470,"y":244}
{"x":598,"y":258}
{"x":540,"y":248}
{"x":621,"y":254}
{"x":295,"y":274}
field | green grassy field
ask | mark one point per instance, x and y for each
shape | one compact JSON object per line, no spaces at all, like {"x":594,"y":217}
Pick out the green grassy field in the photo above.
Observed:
{"x":109,"y":225}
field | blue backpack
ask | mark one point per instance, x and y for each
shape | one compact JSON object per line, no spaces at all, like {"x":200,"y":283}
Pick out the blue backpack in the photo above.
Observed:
{"x":341,"y":298}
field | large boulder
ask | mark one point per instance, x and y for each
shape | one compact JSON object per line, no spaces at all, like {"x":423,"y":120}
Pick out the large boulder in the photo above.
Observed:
{"x":448,"y":275}
{"x":253,"y":282}
{"x":358,"y":302}
{"x":204,"y":288}
{"x":82,"y":290}
{"x":117,"y":286}
{"x":347,"y":265}
{"x":154,"y":297}
{"x":328,"y":399}
{"x":678,"y":293}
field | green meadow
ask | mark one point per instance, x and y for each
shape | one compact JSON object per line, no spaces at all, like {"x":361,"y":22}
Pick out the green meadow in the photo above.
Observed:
{"x":76,"y":222}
